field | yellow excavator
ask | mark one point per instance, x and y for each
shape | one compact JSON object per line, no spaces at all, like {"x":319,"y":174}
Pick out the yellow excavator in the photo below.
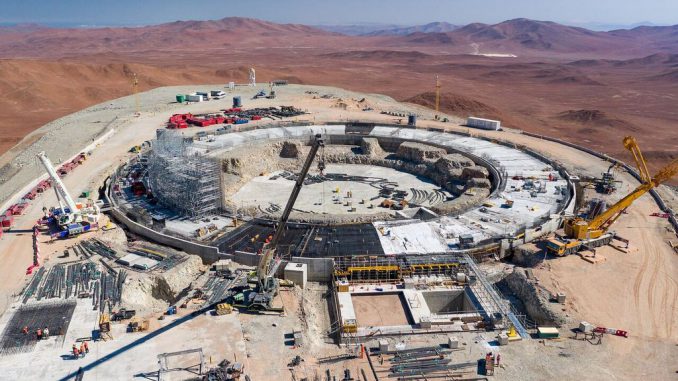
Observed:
{"x":582,"y":233}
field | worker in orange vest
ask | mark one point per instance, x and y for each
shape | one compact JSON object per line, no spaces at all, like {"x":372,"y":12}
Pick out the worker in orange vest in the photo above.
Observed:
{"x":24,"y":330}
{"x":86,"y":347}
{"x":39,"y":334}
{"x":82,"y":349}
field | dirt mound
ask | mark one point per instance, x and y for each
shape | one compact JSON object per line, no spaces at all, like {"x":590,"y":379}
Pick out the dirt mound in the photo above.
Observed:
{"x":456,"y":105}
{"x":594,"y":118}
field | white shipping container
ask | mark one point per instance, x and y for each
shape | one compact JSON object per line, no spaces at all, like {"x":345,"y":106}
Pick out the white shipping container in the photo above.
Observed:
{"x":194,"y":98}
{"x":485,"y":124}
{"x":205,"y":96}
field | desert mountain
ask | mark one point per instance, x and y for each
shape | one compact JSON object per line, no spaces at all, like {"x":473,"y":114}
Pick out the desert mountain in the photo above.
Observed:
{"x":434,"y":27}
{"x":186,"y":35}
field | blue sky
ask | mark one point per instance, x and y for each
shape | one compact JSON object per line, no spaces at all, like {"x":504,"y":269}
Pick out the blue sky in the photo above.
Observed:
{"x":313,"y":12}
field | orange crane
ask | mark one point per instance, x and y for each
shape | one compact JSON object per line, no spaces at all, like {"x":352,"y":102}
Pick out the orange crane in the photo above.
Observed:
{"x":584,"y":233}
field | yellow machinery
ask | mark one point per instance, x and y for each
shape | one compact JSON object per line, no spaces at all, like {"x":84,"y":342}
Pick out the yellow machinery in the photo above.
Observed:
{"x":104,"y":323}
{"x":224,"y":309}
{"x":582,"y":232}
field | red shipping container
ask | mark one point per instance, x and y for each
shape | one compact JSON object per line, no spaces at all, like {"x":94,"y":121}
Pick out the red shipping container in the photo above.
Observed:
{"x":7,"y":221}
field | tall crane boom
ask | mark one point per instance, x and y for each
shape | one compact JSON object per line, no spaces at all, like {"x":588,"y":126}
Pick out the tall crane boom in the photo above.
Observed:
{"x":58,"y":184}
{"x":579,"y":228}
{"x":264,"y":273}
{"x":437,"y":94}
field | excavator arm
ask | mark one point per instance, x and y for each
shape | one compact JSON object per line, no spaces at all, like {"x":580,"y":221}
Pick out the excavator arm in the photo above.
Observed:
{"x":264,"y":269}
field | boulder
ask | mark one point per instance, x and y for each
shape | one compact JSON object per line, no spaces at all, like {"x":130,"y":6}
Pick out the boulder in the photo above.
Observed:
{"x":290,"y":149}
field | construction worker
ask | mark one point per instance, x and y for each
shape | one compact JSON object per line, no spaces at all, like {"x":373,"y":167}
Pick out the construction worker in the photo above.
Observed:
{"x":76,"y":354}
{"x":86,"y":347}
{"x":82,"y":349}
{"x":45,"y":333}
{"x":24,"y":330}
{"x":38,"y":333}
{"x":498,"y":358}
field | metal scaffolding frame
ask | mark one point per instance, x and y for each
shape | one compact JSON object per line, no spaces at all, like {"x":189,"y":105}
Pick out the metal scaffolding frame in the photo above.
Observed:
{"x":182,"y":179}
{"x":392,"y":269}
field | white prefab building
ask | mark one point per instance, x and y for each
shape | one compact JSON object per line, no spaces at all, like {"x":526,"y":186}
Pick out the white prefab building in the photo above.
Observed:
{"x":485,"y":124}
{"x":194,"y":98}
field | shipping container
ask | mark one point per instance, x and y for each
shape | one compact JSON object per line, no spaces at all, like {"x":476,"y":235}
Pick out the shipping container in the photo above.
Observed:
{"x":194,"y":98}
{"x":205,"y":95}
{"x":485,"y":124}
{"x":7,"y":221}
{"x":181,"y":98}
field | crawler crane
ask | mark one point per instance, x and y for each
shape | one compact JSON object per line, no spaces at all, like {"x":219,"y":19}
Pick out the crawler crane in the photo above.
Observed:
{"x":261,"y":299}
{"x":73,"y":218}
{"x":581,"y":233}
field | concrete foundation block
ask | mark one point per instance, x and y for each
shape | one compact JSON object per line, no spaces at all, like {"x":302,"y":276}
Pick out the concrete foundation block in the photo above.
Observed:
{"x":503,"y":339}
{"x":297,"y":273}
{"x":383,"y":345}
{"x":560,"y":297}
{"x":425,"y":322}
{"x":452,"y":342}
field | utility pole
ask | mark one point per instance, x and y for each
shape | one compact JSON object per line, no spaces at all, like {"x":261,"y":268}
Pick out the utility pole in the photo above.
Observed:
{"x":135,"y":91}
{"x":437,"y":96}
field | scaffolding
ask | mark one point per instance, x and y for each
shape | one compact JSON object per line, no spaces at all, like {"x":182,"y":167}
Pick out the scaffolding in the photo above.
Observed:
{"x":182,"y":178}
{"x":392,"y":269}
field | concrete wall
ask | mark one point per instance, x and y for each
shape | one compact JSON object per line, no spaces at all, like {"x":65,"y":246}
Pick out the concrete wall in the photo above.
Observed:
{"x":442,"y":302}
{"x":318,"y":269}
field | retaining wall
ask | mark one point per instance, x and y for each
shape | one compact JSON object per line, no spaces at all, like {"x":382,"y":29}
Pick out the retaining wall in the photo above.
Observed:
{"x":318,"y":269}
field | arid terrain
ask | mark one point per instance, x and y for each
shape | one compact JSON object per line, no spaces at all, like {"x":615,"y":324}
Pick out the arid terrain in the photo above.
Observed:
{"x":587,"y":87}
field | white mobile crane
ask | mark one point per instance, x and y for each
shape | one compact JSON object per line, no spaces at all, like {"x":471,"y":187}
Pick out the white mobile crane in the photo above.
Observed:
{"x":74,"y":218}
{"x":261,"y":299}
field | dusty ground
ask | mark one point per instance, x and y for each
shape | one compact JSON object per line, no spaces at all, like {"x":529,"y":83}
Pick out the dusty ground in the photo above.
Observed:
{"x":635,"y":291}
{"x":379,"y":310}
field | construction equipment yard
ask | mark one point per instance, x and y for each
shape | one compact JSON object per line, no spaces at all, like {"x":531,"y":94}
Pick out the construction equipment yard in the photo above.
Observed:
{"x":315,"y":233}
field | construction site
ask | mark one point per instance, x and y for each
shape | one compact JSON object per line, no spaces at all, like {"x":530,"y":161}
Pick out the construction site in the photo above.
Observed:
{"x":293,"y":232}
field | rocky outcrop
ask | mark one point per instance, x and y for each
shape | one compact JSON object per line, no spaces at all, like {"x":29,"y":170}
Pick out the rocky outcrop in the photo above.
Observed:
{"x":232,"y":165}
{"x":290,"y":149}
{"x":537,"y":305}
{"x":418,"y":153}
{"x":371,"y":147}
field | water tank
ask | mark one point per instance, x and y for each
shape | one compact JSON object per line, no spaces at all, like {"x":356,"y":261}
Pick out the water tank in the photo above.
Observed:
{"x":412,"y":120}
{"x":237,"y":102}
